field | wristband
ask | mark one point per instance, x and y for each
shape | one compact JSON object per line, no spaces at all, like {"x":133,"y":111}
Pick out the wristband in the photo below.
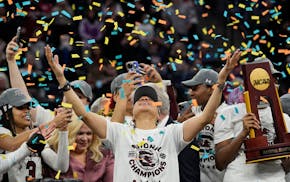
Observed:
{"x":66,"y":87}
{"x":221,"y":86}
{"x":34,"y":143}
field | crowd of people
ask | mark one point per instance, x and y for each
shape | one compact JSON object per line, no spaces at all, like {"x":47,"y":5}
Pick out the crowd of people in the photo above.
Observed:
{"x":71,"y":109}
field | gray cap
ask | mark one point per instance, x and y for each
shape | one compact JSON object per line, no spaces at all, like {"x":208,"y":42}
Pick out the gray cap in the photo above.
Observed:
{"x":204,"y":76}
{"x":117,"y":82}
{"x":84,"y":87}
{"x":285,"y":102}
{"x":273,"y":70}
{"x":14,"y":97}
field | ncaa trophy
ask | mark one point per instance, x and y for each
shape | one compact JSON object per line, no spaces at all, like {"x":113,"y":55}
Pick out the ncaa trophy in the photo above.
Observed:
{"x":259,"y":82}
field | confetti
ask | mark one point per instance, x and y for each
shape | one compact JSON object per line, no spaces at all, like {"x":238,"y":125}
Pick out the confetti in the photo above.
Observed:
{"x":194,"y":147}
{"x":57,"y":175}
{"x":66,"y":105}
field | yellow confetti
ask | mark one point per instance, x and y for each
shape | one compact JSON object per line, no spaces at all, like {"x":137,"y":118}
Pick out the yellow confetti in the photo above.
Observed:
{"x":72,"y":147}
{"x":3,"y":156}
{"x":129,"y":25}
{"x":255,"y":17}
{"x":121,"y":14}
{"x":82,"y":78}
{"x":57,"y":175}
{"x":41,"y":79}
{"x":78,"y":65}
{"x":38,"y":33}
{"x":75,"y":56}
{"x":66,"y":105}
{"x":194,"y":147}
{"x":75,"y":18}
{"x":71,"y":41}
{"x":230,"y":6}
{"x":97,"y":4}
{"x":41,"y":22}
{"x":242,"y":6}
{"x":140,"y":144}
{"x":75,"y":175}
{"x":106,"y":41}
{"x":43,"y":142}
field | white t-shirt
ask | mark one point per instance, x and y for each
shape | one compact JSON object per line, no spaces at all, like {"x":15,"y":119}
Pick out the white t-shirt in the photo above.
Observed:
{"x":228,"y":125}
{"x":146,"y":155}
{"x":205,"y":138}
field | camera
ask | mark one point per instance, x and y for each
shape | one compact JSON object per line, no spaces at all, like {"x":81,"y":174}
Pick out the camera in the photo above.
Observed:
{"x":133,"y":66}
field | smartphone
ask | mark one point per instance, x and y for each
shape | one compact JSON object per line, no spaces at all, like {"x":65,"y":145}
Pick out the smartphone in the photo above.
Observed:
{"x":18,"y":35}
{"x":133,"y":66}
{"x":183,"y":106}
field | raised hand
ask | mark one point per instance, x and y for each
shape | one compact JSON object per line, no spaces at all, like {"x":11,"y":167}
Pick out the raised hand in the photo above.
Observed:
{"x":152,"y":73}
{"x":62,"y":118}
{"x":229,"y":66}
{"x":54,"y":63}
{"x":12,"y":49}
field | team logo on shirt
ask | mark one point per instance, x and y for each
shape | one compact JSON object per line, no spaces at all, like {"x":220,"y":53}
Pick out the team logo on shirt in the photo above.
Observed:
{"x":147,"y":160}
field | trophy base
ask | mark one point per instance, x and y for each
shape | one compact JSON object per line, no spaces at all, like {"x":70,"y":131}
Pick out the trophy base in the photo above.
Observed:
{"x":275,"y":151}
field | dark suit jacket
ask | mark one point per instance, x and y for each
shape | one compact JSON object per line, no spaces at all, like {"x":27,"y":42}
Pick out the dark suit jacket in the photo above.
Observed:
{"x":188,"y":160}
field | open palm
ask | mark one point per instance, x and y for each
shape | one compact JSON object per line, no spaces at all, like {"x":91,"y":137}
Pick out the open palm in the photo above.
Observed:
{"x":53,"y":62}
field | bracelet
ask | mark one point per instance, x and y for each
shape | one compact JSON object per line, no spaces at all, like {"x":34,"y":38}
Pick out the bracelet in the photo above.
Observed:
{"x":221,"y":86}
{"x":66,"y":87}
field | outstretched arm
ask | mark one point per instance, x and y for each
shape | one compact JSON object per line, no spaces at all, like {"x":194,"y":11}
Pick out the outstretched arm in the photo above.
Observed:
{"x":15,"y":76}
{"x":193,"y":125}
{"x":96,"y":122}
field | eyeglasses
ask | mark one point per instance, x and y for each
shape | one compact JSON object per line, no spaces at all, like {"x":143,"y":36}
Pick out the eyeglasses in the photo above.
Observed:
{"x":25,"y":106}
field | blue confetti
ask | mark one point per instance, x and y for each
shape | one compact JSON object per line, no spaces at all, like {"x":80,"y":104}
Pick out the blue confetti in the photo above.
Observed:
{"x":87,"y":108}
{"x":65,"y":13}
{"x":122,"y":93}
{"x":150,"y":139}
{"x":55,"y":13}
{"x":91,"y":41}
{"x":118,"y":56}
{"x":89,"y":60}
{"x":225,"y":14}
{"x":34,"y":140}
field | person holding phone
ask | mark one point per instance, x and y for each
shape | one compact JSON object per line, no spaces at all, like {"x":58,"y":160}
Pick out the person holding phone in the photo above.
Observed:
{"x":144,"y":152}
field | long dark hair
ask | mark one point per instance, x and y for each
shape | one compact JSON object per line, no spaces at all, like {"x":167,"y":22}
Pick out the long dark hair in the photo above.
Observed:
{"x":7,"y":119}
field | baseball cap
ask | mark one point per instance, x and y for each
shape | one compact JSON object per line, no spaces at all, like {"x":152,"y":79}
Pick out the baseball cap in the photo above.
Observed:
{"x":14,"y":97}
{"x":204,"y":76}
{"x":273,"y":70}
{"x":84,"y":87}
{"x":145,"y":91}
{"x":285,"y":102}
{"x":117,"y":82}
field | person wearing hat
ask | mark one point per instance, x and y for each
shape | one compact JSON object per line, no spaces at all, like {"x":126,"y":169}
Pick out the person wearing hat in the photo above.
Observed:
{"x":232,"y":126}
{"x":39,"y":115}
{"x":15,"y":119}
{"x":200,"y":89}
{"x":144,"y":152}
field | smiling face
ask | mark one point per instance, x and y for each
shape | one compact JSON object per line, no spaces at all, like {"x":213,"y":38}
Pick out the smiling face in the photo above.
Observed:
{"x":145,"y":105}
{"x":21,"y":116}
{"x":84,"y":139}
{"x":201,"y":93}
